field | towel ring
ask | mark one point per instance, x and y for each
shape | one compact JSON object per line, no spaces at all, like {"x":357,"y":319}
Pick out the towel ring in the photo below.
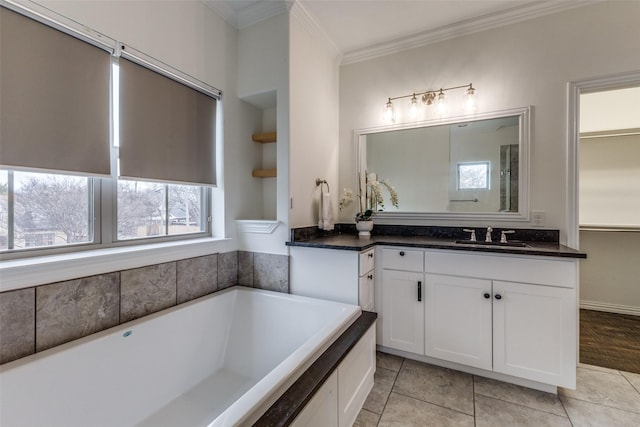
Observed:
{"x":322,"y":181}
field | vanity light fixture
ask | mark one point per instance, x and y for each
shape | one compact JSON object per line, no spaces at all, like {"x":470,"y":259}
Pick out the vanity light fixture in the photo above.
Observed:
{"x":431,"y":97}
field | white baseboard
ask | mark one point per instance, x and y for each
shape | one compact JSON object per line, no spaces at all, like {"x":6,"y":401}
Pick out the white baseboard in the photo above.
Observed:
{"x":612,"y":308}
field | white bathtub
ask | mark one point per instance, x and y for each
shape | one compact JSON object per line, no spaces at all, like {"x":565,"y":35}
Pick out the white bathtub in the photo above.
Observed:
{"x":221,"y":360}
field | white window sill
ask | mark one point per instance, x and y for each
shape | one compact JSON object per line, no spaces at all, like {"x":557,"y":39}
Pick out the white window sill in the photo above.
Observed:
{"x":28,"y":272}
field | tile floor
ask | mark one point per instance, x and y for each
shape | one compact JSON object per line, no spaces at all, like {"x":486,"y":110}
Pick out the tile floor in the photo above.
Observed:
{"x":409,"y":393}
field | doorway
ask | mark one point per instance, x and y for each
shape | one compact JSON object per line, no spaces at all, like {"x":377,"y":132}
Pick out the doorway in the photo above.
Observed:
{"x":605,"y":150}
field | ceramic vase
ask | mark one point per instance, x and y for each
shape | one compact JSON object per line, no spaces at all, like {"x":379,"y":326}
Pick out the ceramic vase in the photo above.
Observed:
{"x":364,"y":228}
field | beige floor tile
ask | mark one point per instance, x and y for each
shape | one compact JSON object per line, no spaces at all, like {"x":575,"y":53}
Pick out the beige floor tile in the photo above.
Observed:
{"x":604,"y":388}
{"x":440,"y":386}
{"x":598,"y":368}
{"x":388,"y":361}
{"x":528,"y":397}
{"x":384,"y":379}
{"x":498,"y":413}
{"x":404,"y":411}
{"x":586,"y":414}
{"x":366,"y":419}
{"x":634,"y":379}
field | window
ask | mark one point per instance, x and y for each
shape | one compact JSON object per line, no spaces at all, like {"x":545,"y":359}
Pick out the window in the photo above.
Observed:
{"x":148,"y":209}
{"x":44,"y":210}
{"x":473,"y":176}
{"x":61,"y":188}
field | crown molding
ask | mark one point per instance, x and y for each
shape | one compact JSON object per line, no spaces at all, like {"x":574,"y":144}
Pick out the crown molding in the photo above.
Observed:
{"x":307,"y":20}
{"x":462,"y":28}
{"x":249,"y":15}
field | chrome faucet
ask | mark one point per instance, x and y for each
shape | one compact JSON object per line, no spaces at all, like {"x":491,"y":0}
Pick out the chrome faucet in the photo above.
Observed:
{"x":488,"y":236}
{"x":503,"y":235}
{"x":473,"y":234}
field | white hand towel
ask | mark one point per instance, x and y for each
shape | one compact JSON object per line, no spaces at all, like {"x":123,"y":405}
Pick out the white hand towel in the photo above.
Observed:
{"x":325,"y":220}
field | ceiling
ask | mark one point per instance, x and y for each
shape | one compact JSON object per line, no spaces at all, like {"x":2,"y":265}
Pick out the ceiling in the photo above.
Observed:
{"x":360,"y":29}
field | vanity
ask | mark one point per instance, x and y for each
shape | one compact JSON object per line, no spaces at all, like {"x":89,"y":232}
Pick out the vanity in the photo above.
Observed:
{"x":500,"y":311}
{"x":501,"y":301}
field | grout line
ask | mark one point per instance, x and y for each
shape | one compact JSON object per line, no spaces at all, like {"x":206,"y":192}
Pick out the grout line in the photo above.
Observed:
{"x":390,"y":391}
{"x":473,"y":390}
{"x":603,"y":405}
{"x":525,"y":406}
{"x":434,"y":404}
{"x":629,"y":381}
{"x":565,"y":411}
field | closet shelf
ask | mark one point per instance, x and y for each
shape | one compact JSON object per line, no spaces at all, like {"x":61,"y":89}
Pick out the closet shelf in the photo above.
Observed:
{"x":265,"y":137}
{"x":264,"y":173}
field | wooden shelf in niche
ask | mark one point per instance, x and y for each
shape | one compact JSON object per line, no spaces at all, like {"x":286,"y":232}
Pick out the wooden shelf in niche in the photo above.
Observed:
{"x":264,"y":173}
{"x":264,"y":138}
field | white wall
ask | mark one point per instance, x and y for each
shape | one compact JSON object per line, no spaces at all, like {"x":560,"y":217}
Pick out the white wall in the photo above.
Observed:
{"x":528,"y":63}
{"x":611,"y":109}
{"x":313,"y":114}
{"x":263,"y":79}
{"x":609,"y":181}
{"x":610,"y":276}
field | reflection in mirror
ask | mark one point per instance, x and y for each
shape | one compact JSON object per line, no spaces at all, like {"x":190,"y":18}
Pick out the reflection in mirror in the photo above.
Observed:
{"x":474,"y":168}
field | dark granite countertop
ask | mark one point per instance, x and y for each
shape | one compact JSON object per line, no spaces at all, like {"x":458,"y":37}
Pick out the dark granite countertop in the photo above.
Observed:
{"x":545,"y":243}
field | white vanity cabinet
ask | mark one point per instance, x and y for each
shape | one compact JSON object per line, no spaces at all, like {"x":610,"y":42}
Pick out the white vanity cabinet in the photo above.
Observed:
{"x":458,"y":320}
{"x":507,"y":314}
{"x":338,"y":275}
{"x":401,"y":298}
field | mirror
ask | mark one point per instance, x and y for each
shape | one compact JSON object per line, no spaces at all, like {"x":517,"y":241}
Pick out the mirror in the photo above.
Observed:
{"x":458,"y":168}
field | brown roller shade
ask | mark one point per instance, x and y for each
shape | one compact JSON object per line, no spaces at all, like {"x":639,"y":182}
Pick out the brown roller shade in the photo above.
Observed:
{"x":54,"y":99}
{"x":167,"y":129}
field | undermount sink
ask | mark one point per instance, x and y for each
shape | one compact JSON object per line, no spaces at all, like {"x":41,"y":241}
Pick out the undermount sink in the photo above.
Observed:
{"x":515,"y":244}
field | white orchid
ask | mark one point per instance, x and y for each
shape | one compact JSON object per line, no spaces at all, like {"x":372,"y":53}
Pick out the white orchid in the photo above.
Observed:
{"x":370,"y":196}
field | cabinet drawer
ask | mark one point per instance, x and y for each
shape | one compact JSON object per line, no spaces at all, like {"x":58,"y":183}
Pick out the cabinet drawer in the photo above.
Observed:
{"x":366,"y":261}
{"x":402,"y":259}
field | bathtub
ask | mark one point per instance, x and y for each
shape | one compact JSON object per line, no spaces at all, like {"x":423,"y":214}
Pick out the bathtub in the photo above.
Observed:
{"x":221,"y":360}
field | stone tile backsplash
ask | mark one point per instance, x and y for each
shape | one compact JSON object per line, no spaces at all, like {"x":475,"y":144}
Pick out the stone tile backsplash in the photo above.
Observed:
{"x":38,"y":318}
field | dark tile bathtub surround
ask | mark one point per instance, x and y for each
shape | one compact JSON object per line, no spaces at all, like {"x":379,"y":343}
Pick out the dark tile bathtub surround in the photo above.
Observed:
{"x":271,"y":272}
{"x":196,"y":277}
{"x":17,"y":324}
{"x":35,"y":319}
{"x":69,"y":310}
{"x":245,"y":268}
{"x":146,"y":290}
{"x":227,"y":269}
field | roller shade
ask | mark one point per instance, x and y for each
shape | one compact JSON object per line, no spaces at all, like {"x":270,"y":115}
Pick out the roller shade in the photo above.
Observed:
{"x":54,"y":99}
{"x":167,"y":129}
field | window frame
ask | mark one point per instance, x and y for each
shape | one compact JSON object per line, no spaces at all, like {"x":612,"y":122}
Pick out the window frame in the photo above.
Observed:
{"x":485,"y":163}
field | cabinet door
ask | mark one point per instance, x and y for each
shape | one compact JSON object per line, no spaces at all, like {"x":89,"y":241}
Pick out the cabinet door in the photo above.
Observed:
{"x":366,"y":288}
{"x":322,"y":409}
{"x":403,"y":311}
{"x":534,"y":332}
{"x":458,"y":320}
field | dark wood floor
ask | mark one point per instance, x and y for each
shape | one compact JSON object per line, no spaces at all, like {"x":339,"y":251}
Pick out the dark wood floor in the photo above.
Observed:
{"x":610,"y":340}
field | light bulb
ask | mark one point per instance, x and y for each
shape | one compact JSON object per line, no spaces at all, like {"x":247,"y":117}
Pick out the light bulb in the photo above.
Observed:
{"x":413,"y":106}
{"x":389,"y":114}
{"x":470,"y":99}
{"x":441,"y":104}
